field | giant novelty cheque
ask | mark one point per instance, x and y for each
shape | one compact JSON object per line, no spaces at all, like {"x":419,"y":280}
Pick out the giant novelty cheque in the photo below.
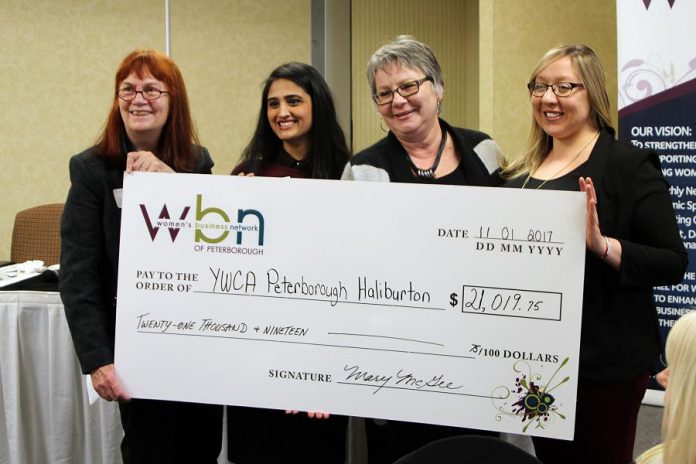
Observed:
{"x":440,"y":304}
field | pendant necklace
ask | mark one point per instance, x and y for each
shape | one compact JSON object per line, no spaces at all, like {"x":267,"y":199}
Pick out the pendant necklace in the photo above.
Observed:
{"x":428,"y":174}
{"x":563,"y":168}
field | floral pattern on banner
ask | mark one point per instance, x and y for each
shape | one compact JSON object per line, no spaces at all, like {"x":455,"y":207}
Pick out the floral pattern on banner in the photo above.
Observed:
{"x":641,"y":79}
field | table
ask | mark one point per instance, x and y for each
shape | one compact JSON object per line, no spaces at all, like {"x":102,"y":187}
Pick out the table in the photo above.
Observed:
{"x":46,"y":415}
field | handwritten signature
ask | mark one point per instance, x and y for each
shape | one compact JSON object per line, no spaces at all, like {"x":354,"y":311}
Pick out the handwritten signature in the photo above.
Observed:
{"x":400,"y":379}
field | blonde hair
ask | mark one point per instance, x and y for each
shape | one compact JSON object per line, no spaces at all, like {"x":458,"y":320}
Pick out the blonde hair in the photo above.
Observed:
{"x":679,"y":428}
{"x":589,"y":68}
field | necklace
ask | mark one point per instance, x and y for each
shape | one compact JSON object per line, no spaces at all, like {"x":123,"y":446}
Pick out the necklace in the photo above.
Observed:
{"x":429,"y":173}
{"x":563,"y":168}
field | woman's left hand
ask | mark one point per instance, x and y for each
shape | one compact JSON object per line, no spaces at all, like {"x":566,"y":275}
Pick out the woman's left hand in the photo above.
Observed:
{"x":145,"y":161}
{"x":594,"y":239}
{"x":608,"y":249}
{"x":311,"y":414}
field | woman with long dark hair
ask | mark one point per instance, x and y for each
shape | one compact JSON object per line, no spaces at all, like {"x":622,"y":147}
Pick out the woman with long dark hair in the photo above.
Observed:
{"x":297,"y":135}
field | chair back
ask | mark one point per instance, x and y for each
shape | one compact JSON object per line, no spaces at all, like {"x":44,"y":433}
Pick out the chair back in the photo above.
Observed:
{"x":468,"y":449}
{"x":36,"y":234}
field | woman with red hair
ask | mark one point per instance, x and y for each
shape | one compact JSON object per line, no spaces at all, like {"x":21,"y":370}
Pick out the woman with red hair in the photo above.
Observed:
{"x":149,"y":128}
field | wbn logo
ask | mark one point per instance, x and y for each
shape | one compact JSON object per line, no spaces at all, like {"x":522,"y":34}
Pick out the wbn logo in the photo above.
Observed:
{"x":174,"y":226}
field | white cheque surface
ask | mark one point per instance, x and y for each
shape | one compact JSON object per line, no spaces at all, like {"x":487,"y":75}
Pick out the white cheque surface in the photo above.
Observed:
{"x":439,"y":304}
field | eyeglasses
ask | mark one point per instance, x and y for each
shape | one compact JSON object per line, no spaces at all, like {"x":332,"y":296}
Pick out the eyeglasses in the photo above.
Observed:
{"x":561,"y":89}
{"x":406,"y":89}
{"x":148,"y":93}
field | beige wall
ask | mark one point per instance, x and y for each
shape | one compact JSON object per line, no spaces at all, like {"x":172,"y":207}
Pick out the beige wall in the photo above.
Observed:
{"x":226,"y":50}
{"x":449,"y":27}
{"x":514,"y":35}
{"x":58,"y":59}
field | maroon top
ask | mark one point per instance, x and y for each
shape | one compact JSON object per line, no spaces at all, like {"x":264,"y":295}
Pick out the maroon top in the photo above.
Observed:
{"x":283,"y":165}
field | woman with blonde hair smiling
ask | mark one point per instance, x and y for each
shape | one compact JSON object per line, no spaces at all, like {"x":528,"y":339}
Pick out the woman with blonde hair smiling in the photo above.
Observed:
{"x":679,"y":381}
{"x":632,"y":244}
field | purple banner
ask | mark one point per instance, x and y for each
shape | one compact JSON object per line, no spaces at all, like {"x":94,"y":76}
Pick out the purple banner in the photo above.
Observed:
{"x":665,"y":122}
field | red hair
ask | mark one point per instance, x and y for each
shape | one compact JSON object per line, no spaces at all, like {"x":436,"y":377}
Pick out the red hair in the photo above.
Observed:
{"x":175,"y":145}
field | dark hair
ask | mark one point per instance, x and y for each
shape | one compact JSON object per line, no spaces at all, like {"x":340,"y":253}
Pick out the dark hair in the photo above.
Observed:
{"x":329,"y":153}
{"x":175,"y":146}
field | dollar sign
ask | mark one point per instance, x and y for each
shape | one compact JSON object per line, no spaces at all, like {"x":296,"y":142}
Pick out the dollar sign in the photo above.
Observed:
{"x":453,"y":300}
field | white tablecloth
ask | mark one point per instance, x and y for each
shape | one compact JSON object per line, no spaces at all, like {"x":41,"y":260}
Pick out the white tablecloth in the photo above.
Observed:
{"x":46,"y":416}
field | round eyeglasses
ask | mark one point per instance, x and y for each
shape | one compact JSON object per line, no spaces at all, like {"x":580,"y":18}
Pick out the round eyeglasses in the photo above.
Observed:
{"x":148,"y":93}
{"x":561,"y":89}
{"x":407,"y":89}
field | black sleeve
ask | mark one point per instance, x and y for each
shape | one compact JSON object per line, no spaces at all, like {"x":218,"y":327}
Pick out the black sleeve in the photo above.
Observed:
{"x":81,"y":262}
{"x":205,"y":162}
{"x":654,"y":253}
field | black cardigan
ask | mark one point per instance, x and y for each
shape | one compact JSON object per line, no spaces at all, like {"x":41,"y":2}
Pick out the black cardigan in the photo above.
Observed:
{"x":387,"y":160}
{"x":90,"y":237}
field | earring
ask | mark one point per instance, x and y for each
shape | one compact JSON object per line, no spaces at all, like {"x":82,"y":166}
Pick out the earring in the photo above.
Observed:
{"x":381,"y":126}
{"x":439,"y":103}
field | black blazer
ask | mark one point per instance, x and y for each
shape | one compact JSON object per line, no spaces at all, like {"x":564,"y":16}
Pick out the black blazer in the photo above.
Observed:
{"x":620,"y":335}
{"x":90,"y":237}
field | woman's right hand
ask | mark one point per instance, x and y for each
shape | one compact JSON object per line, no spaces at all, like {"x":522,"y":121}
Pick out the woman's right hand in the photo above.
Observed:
{"x":106,"y":384}
{"x":145,"y":161}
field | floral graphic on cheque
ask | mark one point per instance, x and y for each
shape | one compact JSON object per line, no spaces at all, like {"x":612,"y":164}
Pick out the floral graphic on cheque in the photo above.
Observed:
{"x":530,"y":399}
